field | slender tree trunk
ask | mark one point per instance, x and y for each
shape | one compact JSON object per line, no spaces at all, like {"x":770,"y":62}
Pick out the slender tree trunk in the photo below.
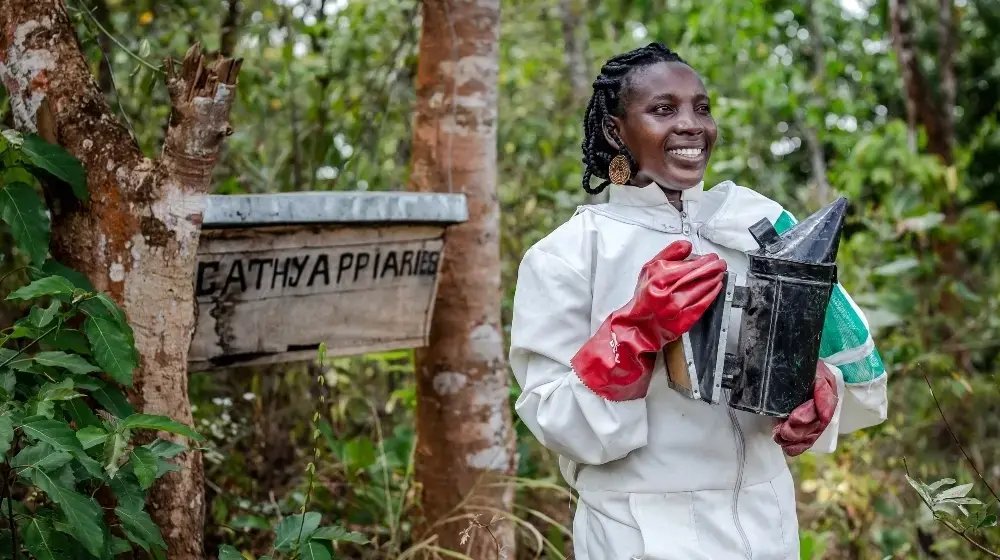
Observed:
{"x":230,"y":28}
{"x":920,"y":105}
{"x":104,"y":78}
{"x":137,"y":237}
{"x":575,"y":41}
{"x":937,"y":118}
{"x":946,"y":66}
{"x":817,"y":156}
{"x":464,"y":430}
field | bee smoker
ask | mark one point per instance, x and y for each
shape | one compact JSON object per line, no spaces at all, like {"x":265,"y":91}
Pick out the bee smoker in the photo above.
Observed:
{"x":784,"y":300}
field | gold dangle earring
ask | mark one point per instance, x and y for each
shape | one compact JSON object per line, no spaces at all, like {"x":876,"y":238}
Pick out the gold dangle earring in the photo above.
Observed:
{"x":619,"y":171}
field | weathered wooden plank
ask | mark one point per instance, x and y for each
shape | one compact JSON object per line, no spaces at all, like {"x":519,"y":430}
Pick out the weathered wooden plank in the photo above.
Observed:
{"x":273,"y":294}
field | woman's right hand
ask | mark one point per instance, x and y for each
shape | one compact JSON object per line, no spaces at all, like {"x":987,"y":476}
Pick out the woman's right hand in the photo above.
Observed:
{"x":673,"y":292}
{"x":671,"y":295}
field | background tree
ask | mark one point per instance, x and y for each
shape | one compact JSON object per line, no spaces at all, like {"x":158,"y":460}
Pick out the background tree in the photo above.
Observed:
{"x":463,"y":418}
{"x":137,"y":235}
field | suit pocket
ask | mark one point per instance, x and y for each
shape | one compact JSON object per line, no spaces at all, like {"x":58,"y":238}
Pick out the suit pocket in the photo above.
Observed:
{"x":667,"y":525}
{"x":603,"y":529}
{"x":767,"y":514}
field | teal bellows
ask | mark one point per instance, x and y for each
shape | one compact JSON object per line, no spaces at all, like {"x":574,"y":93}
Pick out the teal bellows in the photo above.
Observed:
{"x":847,"y":341}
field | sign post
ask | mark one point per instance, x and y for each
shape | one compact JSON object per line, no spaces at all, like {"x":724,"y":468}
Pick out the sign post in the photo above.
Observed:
{"x":278,"y":274}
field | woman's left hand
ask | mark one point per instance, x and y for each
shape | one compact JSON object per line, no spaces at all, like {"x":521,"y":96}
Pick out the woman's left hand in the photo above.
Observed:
{"x":805,"y":424}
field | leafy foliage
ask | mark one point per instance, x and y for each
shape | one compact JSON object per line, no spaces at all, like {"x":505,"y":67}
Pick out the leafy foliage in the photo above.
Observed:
{"x":65,"y":426}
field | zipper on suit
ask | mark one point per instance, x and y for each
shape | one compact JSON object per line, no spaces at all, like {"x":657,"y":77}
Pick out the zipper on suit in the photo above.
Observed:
{"x":741,"y":458}
{"x":688,"y":231}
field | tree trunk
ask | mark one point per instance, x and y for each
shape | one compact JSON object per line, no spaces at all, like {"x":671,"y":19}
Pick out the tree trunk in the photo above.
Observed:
{"x":137,"y":237}
{"x":938,"y":121}
{"x":230,"y":28}
{"x":575,"y":40}
{"x":104,"y":77}
{"x":464,"y":431}
{"x":946,"y":66}
{"x":817,"y":155}
{"x":920,"y":106}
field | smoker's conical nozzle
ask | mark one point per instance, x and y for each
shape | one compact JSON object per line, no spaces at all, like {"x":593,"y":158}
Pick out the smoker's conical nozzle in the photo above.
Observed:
{"x":813,"y":240}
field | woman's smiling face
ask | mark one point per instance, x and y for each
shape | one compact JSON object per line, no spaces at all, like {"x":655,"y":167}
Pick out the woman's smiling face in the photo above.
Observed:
{"x":667,"y":125}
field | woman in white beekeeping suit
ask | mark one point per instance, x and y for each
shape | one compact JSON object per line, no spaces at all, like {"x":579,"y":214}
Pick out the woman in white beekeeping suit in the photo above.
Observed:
{"x":661,"y":476}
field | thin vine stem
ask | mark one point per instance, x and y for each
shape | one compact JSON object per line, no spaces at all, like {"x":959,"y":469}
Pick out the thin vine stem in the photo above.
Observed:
{"x":16,"y":270}
{"x":29,"y":345}
{"x":957,"y":442}
{"x":311,"y":467}
{"x":138,"y":58}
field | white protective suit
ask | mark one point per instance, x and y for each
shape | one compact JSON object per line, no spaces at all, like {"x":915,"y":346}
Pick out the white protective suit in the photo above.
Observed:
{"x":666,"y":477}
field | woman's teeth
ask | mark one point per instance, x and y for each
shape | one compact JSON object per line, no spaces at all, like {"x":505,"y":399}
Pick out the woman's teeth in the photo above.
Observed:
{"x":686,"y":152}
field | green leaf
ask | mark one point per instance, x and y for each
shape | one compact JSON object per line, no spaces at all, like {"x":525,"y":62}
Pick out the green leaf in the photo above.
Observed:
{"x":82,"y":513}
{"x":139,"y":528}
{"x":24,"y":212}
{"x":101,"y":305}
{"x":8,"y":381}
{"x":64,"y":477}
{"x":144,"y":466}
{"x":43,"y":408}
{"x":959,"y":491}
{"x":922,"y":223}
{"x":920,"y":487}
{"x":938,"y":484}
{"x":42,"y":317}
{"x":165,"y":448}
{"x":988,"y":521}
{"x":126,"y":487}
{"x":43,"y":541}
{"x":53,"y":267}
{"x":112,"y":348}
{"x":92,"y":467}
{"x":109,"y":397}
{"x":250,"y":522}
{"x":62,"y":391}
{"x":6,"y":436}
{"x":69,"y":362}
{"x":67,"y":339}
{"x":91,"y":436}
{"x":897,"y":267}
{"x":57,"y":161}
{"x":48,"y":286}
{"x":287,"y":531}
{"x":55,"y":433}
{"x":160,"y":423}
{"x":114,"y":449}
{"x":163,"y":467}
{"x":119,"y":546}
{"x":359,"y":454}
{"x":315,"y":550}
{"x":24,"y":329}
{"x":227,"y":552}
{"x":40,"y":456}
{"x":336,"y":533}
{"x":79,"y":411}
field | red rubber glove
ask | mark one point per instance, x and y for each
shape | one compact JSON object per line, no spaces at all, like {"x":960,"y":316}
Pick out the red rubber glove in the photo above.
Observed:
{"x":805,"y":424}
{"x":671,"y":295}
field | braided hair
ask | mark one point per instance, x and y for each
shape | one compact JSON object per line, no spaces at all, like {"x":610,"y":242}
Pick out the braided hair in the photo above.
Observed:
{"x":611,"y":88}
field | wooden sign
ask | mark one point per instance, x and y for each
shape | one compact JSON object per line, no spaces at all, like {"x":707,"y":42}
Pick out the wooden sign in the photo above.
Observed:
{"x":273,"y":279}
